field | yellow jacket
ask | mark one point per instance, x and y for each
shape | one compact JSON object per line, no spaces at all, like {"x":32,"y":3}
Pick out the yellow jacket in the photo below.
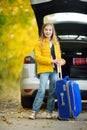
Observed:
{"x":43,"y":56}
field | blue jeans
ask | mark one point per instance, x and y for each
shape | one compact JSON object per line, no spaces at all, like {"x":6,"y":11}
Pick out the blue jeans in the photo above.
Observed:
{"x":44,"y":77}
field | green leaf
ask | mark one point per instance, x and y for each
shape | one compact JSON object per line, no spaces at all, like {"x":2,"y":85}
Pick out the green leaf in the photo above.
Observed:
{"x":3,"y":19}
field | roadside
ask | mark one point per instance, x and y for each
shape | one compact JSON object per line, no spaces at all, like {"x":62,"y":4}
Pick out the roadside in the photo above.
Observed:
{"x":13,"y":116}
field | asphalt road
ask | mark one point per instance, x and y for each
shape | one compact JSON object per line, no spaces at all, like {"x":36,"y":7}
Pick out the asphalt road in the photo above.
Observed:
{"x":13,"y":116}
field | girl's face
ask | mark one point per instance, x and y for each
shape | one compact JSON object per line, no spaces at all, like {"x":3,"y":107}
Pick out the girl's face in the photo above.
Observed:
{"x":48,"y":31}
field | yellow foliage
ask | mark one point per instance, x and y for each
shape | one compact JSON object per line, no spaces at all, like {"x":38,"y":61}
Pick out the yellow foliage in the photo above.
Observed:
{"x":19,"y":36}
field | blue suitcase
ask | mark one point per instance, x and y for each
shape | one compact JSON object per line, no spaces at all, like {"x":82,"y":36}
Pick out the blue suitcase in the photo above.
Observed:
{"x":68,"y":98}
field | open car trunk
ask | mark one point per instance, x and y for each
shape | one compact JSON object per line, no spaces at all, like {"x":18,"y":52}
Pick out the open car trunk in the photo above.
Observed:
{"x":75,"y":54}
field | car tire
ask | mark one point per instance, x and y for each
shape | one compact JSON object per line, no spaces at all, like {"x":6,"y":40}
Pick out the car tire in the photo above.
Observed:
{"x":26,"y":101}
{"x":84,"y":95}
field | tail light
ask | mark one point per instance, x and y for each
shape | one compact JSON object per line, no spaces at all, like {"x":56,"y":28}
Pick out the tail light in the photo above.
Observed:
{"x":27,"y":90}
{"x":29,"y":59}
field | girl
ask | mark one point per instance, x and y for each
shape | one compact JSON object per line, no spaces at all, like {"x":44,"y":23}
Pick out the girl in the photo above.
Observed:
{"x":48,"y":56}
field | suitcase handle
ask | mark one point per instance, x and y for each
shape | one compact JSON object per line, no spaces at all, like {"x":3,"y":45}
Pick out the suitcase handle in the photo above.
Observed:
{"x":59,"y":70}
{"x":62,"y":99}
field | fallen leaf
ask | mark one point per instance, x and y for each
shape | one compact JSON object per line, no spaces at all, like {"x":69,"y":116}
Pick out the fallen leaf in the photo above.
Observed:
{"x":4,"y":118}
{"x":21,"y":115}
{"x":9,"y":122}
{"x":71,"y":121}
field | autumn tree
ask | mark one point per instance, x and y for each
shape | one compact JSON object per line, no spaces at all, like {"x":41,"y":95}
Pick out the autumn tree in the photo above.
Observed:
{"x":18,"y":35}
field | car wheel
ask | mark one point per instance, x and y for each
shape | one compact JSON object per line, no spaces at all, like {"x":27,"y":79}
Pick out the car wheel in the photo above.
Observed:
{"x":84,"y":95}
{"x":27,"y":102}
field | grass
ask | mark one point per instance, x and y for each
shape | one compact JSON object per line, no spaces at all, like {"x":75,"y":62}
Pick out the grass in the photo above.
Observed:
{"x":9,"y":90}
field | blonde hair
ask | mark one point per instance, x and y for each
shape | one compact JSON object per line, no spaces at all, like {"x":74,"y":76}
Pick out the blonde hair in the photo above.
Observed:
{"x":53,"y":37}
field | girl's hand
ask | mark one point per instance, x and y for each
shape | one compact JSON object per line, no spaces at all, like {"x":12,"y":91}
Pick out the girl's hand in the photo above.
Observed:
{"x":58,"y":62}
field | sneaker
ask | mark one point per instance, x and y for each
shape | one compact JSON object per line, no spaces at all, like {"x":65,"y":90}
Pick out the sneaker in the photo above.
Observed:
{"x":32,"y":115}
{"x":49,"y":115}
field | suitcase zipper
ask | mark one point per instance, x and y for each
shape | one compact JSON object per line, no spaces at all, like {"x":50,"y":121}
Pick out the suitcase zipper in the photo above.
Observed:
{"x":73,"y":97}
{"x":68,"y":95}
